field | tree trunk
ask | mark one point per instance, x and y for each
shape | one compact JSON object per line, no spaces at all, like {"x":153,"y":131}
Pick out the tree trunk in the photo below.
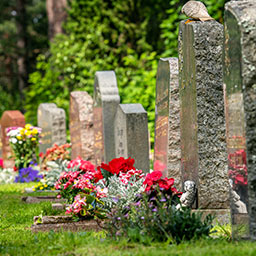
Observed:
{"x":22,"y":46}
{"x":56,"y":12}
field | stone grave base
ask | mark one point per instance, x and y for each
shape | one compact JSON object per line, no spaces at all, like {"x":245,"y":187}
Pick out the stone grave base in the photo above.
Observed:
{"x":63,"y":223}
{"x":221,"y":215}
{"x":30,"y":190}
{"x":39,"y":199}
{"x":59,"y":206}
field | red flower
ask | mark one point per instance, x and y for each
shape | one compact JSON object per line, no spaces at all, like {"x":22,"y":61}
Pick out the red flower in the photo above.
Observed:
{"x":41,"y":155}
{"x":1,"y":163}
{"x":118,"y":165}
{"x":15,"y":169}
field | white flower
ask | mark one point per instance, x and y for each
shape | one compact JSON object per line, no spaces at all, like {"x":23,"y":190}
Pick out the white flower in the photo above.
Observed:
{"x":20,"y":142}
{"x":13,"y":140}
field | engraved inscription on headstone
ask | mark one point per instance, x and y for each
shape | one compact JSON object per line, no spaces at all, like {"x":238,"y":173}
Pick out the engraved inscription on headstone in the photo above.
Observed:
{"x":131,"y":134}
{"x":106,"y":100}
{"x":52,"y":120}
{"x":240,"y":109}
{"x":11,"y":118}
{"x":202,"y":122}
{"x":81,"y":125}
{"x":167,"y":133}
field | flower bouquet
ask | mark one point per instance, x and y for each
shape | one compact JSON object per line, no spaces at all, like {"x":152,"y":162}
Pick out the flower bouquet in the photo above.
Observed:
{"x":24,"y":142}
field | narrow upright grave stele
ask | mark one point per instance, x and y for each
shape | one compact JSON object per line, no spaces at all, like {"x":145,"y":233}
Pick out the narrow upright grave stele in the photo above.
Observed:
{"x":202,"y":119}
{"x":106,"y":100}
{"x":81,"y":125}
{"x":167,"y":128}
{"x":131,"y":134}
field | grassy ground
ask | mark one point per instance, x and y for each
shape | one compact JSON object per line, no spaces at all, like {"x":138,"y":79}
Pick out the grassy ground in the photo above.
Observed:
{"x":16,"y":217}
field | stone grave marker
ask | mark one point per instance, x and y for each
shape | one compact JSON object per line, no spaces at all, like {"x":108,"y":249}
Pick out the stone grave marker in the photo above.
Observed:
{"x":240,"y":109}
{"x":10,"y":118}
{"x":106,"y":100}
{"x":202,"y":121}
{"x":81,"y":125}
{"x":167,"y":128}
{"x":131,"y":134}
{"x":52,"y":120}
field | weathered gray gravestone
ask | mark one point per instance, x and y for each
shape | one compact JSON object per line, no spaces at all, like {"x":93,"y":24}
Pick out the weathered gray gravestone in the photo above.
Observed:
{"x":81,"y":125}
{"x":52,"y":120}
{"x":240,"y":106}
{"x":167,"y":125}
{"x":106,"y":100}
{"x":131,"y":134}
{"x":202,"y":122}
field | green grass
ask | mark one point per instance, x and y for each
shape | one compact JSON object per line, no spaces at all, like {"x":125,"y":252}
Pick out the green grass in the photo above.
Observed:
{"x":16,"y":217}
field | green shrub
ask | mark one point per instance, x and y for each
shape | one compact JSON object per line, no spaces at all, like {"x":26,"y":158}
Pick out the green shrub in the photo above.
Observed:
{"x":157,"y":219}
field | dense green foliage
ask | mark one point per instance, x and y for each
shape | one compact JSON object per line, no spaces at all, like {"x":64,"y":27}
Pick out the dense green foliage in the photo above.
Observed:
{"x":36,"y":37}
{"x":125,"y":36}
{"x":16,"y":217}
{"x":154,"y":217}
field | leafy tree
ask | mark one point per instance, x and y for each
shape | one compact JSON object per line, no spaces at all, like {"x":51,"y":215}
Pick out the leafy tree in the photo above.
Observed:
{"x":126,"y":36}
{"x":13,"y":19}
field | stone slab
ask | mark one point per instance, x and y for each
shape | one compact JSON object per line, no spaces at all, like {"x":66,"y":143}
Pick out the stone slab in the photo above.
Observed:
{"x":59,"y":206}
{"x":72,"y":227}
{"x":222,"y":216}
{"x":106,"y":100}
{"x":39,"y":199}
{"x":52,"y":120}
{"x":131,"y":134}
{"x":81,"y":125}
{"x":63,"y":223}
{"x":202,"y":122}
{"x":30,"y":190}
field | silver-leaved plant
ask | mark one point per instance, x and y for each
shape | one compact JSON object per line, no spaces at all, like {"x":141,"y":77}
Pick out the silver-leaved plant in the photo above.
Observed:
{"x":120,"y":194}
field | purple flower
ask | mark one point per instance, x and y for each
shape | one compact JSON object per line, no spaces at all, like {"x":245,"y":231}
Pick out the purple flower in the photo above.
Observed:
{"x":118,"y":218}
{"x":142,"y":218}
{"x":115,"y":199}
{"x":162,"y":200}
{"x":154,"y":210}
{"x":28,"y":175}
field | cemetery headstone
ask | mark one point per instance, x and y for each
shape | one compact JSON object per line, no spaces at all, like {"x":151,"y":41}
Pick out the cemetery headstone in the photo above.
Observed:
{"x":240,"y":110}
{"x":167,"y":125}
{"x":10,"y":118}
{"x":202,"y":121}
{"x":131,"y":134}
{"x":52,"y":120}
{"x":106,"y":100}
{"x":81,"y":125}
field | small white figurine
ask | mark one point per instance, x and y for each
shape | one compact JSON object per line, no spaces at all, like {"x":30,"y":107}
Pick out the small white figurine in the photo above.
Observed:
{"x":188,"y":197}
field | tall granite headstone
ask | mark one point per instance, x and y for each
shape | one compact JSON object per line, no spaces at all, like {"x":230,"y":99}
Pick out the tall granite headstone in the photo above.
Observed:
{"x":10,"y":118}
{"x":167,"y":125}
{"x":52,"y":120}
{"x":81,"y":125}
{"x":131,"y":134}
{"x":240,"y":108}
{"x":202,"y":119}
{"x":106,"y":100}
